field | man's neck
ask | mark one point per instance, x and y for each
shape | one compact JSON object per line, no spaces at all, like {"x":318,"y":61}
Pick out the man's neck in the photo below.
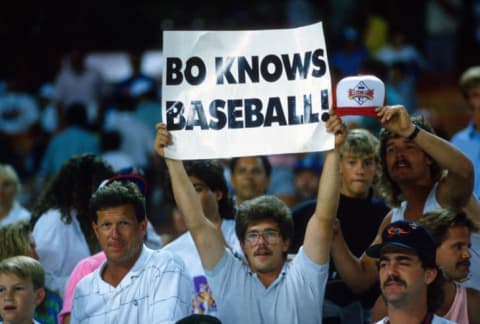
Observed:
{"x":415,"y":195}
{"x":114,"y":272}
{"x":403,"y":316}
{"x":267,"y":278}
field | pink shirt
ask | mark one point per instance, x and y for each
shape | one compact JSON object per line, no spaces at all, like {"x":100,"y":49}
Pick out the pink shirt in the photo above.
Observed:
{"x":458,"y":312}
{"x":83,"y":268}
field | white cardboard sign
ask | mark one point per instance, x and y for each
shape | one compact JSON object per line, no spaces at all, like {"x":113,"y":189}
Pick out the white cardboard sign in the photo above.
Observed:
{"x":241,"y":93}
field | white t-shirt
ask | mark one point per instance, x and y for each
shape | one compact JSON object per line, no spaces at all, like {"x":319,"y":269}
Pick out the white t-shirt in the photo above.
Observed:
{"x":156,"y":290}
{"x":60,"y":247}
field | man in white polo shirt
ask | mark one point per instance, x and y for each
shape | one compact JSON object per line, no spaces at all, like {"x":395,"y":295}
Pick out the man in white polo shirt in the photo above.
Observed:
{"x":267,"y":289}
{"x":135,"y":284}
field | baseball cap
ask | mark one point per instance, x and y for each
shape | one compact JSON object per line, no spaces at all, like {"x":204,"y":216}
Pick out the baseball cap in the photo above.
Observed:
{"x":308,"y":163}
{"x":359,"y":95}
{"x":407,"y":235}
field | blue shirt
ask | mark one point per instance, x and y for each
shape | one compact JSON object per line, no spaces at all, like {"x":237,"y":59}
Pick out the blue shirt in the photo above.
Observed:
{"x":295,"y":297}
{"x":72,"y":141}
{"x":468,"y":141}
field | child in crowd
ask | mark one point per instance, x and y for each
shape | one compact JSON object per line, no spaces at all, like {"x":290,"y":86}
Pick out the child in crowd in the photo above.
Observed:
{"x":22,"y":282}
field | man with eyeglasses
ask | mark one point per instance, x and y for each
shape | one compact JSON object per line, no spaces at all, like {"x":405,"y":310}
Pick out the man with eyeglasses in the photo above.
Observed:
{"x":268,"y":288}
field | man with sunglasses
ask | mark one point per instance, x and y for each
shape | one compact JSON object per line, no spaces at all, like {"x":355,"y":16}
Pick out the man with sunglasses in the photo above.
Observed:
{"x":267,"y":288}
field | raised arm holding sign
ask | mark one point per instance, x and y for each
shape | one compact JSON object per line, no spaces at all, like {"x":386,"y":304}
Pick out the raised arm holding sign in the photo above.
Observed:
{"x":264,"y":229}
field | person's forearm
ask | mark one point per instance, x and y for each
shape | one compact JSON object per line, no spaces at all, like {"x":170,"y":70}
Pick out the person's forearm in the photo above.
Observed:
{"x":473,"y":209}
{"x":185,"y":195}
{"x":329,"y":188}
{"x":358,"y":276}
{"x":447,"y":156}
{"x":457,"y":185}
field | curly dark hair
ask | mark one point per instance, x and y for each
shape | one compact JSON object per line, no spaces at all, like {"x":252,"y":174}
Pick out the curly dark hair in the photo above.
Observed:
{"x":388,"y":189}
{"x":70,"y":189}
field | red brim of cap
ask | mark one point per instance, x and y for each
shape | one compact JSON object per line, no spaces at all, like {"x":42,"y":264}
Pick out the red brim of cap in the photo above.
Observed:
{"x":355,"y":111}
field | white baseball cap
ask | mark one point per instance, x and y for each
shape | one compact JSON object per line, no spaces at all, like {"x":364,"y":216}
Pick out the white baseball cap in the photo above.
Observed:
{"x":359,"y":95}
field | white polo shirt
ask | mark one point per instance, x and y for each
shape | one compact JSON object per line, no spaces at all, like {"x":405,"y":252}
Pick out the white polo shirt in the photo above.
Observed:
{"x":156,"y":290}
{"x":296,"y":296}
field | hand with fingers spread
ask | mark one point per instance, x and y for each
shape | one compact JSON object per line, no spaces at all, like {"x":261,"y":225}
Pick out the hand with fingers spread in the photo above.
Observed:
{"x":396,"y":119}
{"x":162,"y":139}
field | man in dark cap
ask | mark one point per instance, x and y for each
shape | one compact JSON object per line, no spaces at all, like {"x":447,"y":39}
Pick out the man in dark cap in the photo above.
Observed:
{"x":409,"y":277}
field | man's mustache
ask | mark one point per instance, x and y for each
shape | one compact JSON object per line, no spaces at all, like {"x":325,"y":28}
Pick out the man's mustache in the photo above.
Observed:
{"x":396,"y":280}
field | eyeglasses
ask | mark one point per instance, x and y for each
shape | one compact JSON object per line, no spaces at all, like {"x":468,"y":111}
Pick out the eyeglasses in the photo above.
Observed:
{"x":270,"y":236}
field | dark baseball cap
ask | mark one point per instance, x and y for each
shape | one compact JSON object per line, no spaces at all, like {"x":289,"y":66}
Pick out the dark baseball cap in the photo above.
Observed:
{"x":407,"y":235}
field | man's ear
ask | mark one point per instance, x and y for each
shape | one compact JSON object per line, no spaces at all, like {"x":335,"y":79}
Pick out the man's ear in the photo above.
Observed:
{"x":285,"y":245}
{"x":218,"y":195}
{"x":39,"y":296}
{"x":95,"y":228}
{"x":430,"y":275}
{"x":143,"y":224}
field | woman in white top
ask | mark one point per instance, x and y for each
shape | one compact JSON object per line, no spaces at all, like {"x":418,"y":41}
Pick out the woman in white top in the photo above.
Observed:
{"x":10,"y":209}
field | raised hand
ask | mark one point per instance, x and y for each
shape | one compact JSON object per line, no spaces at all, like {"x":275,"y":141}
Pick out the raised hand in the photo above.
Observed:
{"x":335,"y":125}
{"x":396,"y":120}
{"x":162,"y":139}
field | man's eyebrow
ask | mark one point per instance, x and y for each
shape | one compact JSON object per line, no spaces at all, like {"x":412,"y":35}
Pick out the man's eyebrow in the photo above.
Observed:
{"x":396,"y":257}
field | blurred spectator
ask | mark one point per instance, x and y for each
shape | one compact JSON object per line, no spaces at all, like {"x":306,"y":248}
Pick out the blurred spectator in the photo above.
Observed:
{"x":468,"y":139}
{"x":404,"y":84}
{"x":442,"y":22}
{"x":18,"y":114}
{"x":10,"y":209}
{"x":405,"y":63}
{"x":137,"y":83}
{"x":250,"y":177}
{"x":148,"y":108}
{"x":282,"y":178}
{"x":62,"y":223}
{"x":75,"y":139}
{"x":399,"y":49}
{"x":77,"y":83}
{"x":137,"y":138}
{"x":350,"y":55}
{"x":376,"y":33}
{"x":48,"y":112}
{"x":306,"y":176}
{"x":18,"y":110}
{"x":110,"y":147}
